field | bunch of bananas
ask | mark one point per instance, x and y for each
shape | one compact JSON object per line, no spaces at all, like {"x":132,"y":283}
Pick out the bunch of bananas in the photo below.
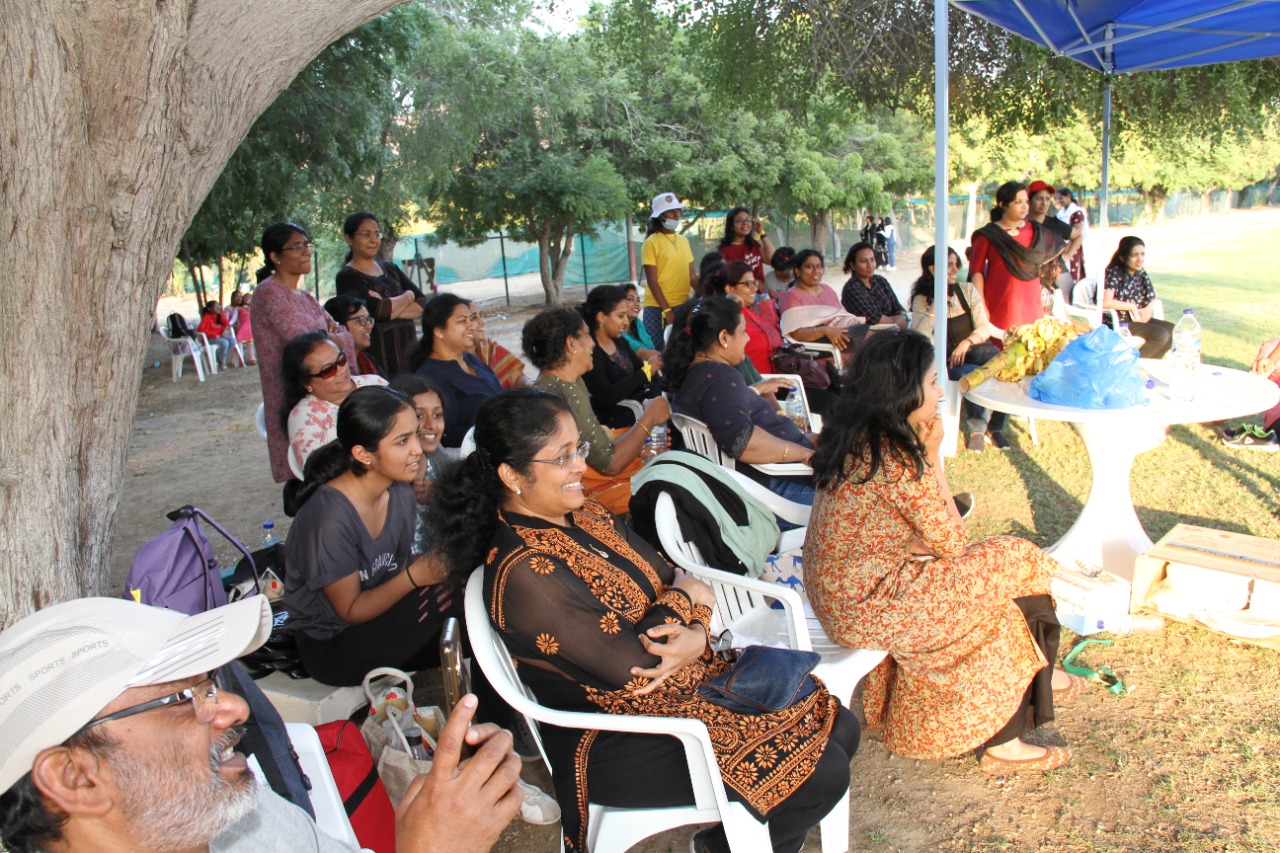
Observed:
{"x":1027,"y":351}
{"x":1035,"y":344}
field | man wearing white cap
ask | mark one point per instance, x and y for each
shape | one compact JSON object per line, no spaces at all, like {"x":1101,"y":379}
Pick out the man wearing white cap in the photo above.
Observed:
{"x":115,"y":736}
{"x":668,"y":265}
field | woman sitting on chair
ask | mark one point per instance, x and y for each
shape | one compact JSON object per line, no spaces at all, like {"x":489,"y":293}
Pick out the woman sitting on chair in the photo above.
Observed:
{"x":445,"y":356}
{"x":600,"y":623}
{"x":559,"y":345}
{"x":970,"y":628}
{"x":616,"y":373}
{"x":701,"y":368}
{"x":317,"y":380}
{"x":354,"y":595}
{"x":1127,"y":288}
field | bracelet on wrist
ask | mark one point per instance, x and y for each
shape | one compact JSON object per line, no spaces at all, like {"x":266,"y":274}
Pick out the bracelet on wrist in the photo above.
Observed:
{"x":409,"y":573}
{"x":786,"y":448}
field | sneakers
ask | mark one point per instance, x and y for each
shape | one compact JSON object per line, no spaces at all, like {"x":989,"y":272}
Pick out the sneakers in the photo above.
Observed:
{"x":997,"y":440}
{"x":1252,"y":437}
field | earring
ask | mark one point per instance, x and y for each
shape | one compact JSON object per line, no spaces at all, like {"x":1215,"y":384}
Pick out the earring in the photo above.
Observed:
{"x":518,"y":492}
{"x":724,"y":345}
{"x":308,"y":389}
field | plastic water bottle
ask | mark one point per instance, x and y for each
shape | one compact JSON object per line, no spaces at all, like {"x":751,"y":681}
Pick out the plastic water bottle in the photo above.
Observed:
{"x":269,"y":539}
{"x":1120,"y":624}
{"x":795,"y":410}
{"x":650,"y":448}
{"x":417,"y":749}
{"x":1185,"y":357}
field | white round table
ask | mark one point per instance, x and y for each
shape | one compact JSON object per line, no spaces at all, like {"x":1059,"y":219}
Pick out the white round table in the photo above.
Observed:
{"x":1107,"y":533}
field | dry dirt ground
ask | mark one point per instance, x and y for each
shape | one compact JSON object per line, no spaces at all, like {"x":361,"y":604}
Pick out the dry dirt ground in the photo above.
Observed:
{"x":1186,"y":761}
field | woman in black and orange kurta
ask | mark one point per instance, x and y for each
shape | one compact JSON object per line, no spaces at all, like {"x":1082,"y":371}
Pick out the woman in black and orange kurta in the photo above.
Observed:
{"x":599,"y":622}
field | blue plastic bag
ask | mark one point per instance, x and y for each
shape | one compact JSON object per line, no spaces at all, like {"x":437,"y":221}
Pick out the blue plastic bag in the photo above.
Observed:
{"x":1098,"y":370}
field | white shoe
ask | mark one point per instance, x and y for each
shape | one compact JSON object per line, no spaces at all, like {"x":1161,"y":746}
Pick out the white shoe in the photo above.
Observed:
{"x":539,"y":808}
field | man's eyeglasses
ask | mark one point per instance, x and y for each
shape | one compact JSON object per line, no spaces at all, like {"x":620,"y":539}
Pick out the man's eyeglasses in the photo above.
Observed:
{"x":304,"y":247}
{"x":331,"y":370}
{"x":203,"y":699}
{"x":365,"y":235}
{"x":579,"y":452}
{"x":364,"y":320}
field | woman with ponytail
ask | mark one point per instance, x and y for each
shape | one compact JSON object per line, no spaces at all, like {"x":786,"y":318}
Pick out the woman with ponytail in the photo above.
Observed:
{"x":356,"y":598}
{"x":394,"y":301}
{"x":282,"y":310}
{"x":1008,"y":253}
{"x":600,"y":622}
{"x":701,"y":367}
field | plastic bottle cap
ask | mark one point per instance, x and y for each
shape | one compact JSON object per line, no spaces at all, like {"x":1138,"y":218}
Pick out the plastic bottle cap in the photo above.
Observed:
{"x":1188,"y":311}
{"x":269,"y":525}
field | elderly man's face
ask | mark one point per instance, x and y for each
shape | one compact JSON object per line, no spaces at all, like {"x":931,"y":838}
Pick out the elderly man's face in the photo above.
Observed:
{"x":177,"y":780}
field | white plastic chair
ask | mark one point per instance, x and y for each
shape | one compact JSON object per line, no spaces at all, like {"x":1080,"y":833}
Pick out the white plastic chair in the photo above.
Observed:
{"x":331,"y":816}
{"x":260,"y":420}
{"x":210,"y":351}
{"x":613,"y":828}
{"x":1086,"y":301}
{"x":468,"y":442}
{"x":179,"y":349}
{"x":698,"y":438}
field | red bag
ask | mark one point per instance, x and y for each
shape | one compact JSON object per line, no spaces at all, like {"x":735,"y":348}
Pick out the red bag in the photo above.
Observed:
{"x":366,"y":801}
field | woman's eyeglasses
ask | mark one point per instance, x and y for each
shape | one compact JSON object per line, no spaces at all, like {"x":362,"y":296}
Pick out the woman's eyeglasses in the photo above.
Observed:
{"x":579,"y":452}
{"x":365,"y":235}
{"x":331,"y":370}
{"x":364,"y":320}
{"x":304,"y":247}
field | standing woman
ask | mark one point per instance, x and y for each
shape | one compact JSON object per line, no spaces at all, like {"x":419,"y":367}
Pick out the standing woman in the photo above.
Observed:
{"x":394,"y":301}
{"x":970,"y":628}
{"x":244,"y":329}
{"x":356,"y":598}
{"x":445,"y":356}
{"x":745,"y":241}
{"x":668,"y":265}
{"x":616,"y":373}
{"x":282,"y":310}
{"x":891,"y":241}
{"x":1008,"y":253}
{"x":1127,"y":288}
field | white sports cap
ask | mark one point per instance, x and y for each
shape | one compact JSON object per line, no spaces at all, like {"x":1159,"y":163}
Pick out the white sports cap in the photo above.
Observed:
{"x":664,"y":202}
{"x":61,"y":666}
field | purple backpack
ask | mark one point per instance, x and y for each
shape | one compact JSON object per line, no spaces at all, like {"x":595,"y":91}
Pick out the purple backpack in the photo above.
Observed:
{"x":177,"y":569}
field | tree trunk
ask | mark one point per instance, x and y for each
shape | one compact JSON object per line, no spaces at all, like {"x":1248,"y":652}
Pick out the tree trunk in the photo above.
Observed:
{"x":552,"y":288}
{"x":818,"y":231}
{"x":118,"y":118}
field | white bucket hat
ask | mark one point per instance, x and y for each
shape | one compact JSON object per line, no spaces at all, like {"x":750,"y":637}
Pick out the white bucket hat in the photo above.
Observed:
{"x":664,"y":202}
{"x":61,"y":666}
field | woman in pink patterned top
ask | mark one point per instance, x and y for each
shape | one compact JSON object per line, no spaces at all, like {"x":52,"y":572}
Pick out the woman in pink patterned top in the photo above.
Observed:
{"x":281,"y":312}
{"x":317,"y":380}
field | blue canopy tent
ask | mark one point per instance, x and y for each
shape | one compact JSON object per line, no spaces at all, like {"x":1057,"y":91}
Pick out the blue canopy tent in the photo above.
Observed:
{"x":1109,"y":36}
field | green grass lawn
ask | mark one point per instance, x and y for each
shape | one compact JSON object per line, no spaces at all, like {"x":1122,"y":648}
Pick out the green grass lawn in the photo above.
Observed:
{"x":1036,"y":492}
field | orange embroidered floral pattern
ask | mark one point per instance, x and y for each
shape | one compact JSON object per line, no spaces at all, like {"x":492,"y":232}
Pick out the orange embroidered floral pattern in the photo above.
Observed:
{"x":547,"y":644}
{"x":960,"y":653}
{"x":609,"y":623}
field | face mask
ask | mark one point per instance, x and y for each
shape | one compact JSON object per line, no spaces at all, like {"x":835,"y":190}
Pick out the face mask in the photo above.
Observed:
{"x":670,"y":224}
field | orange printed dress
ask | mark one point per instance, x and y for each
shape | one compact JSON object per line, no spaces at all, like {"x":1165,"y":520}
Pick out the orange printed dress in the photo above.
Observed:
{"x":960,"y":653}
{"x":570,"y":602}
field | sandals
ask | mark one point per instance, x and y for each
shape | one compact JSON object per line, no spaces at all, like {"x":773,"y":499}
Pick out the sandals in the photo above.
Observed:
{"x":1076,"y":685}
{"x":1054,"y":757}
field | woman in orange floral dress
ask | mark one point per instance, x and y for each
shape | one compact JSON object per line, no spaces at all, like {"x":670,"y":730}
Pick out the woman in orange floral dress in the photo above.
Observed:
{"x":969,"y":628}
{"x":599,"y":622}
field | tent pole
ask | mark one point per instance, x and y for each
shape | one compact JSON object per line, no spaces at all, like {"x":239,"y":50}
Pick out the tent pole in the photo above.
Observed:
{"x":1104,"y":219}
{"x":942,"y":194}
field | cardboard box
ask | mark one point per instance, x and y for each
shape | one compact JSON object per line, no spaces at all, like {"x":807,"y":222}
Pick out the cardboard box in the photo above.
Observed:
{"x":1229,"y":579}
{"x":1103,"y":595}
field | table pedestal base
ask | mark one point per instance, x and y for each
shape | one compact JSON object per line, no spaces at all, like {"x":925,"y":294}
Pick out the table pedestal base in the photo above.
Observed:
{"x":1107,"y":534}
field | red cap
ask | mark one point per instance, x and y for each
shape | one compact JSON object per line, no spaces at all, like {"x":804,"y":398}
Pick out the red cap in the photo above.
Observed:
{"x":1037,"y":186}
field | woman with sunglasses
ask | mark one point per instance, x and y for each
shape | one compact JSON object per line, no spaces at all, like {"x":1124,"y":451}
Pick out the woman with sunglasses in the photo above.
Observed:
{"x":600,"y":622}
{"x":282,"y":310}
{"x":319,"y":379}
{"x":356,"y":598}
{"x":394,"y":301}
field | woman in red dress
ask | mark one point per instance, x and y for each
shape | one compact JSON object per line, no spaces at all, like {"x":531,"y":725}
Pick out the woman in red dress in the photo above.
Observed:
{"x":1007,"y":255}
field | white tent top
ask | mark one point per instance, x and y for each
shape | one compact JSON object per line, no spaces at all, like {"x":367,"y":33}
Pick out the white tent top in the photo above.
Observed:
{"x":1126,"y":36}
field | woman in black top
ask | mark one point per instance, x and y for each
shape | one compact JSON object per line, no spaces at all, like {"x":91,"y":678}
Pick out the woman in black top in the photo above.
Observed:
{"x":394,"y":301}
{"x":617,"y":373}
{"x":1127,"y":288}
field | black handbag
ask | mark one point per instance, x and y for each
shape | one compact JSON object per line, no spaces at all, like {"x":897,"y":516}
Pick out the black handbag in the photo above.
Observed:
{"x":763,"y":680}
{"x":793,"y":359}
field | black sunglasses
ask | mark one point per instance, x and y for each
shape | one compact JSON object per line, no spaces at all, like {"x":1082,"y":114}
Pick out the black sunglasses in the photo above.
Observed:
{"x":331,"y":370}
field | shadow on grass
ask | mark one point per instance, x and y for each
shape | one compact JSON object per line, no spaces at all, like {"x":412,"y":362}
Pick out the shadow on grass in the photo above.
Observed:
{"x":1053,"y":508}
{"x":1259,"y":484}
